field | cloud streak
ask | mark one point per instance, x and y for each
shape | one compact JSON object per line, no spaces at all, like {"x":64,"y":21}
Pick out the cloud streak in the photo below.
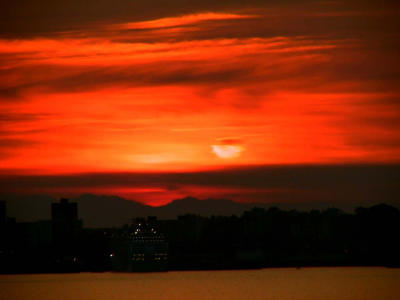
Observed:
{"x":182,"y":20}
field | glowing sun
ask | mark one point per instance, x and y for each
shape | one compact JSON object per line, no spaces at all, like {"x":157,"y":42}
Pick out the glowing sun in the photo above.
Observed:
{"x":227,"y":151}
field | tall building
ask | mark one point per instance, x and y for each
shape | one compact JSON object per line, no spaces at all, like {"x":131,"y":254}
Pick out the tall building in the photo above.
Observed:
{"x":64,"y":211}
{"x":66,"y":227}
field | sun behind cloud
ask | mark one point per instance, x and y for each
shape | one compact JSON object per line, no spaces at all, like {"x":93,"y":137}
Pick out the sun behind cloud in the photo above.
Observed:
{"x":227,"y":148}
{"x":227,"y":151}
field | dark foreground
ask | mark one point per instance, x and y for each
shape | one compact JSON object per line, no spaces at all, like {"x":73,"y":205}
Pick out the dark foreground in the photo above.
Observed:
{"x":259,"y":238}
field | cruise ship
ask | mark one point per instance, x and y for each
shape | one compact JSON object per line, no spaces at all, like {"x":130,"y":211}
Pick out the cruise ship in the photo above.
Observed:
{"x":141,"y":249}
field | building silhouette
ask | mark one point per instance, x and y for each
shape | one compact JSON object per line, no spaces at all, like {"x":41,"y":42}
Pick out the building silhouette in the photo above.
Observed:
{"x":3,"y":214}
{"x":66,"y":233}
{"x":256,"y":239}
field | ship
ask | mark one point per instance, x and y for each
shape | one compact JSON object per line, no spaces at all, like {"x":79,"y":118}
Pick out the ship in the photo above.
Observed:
{"x":142,"y":248}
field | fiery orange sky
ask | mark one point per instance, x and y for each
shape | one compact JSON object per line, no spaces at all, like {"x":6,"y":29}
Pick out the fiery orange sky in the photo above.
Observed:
{"x":188,"y":87}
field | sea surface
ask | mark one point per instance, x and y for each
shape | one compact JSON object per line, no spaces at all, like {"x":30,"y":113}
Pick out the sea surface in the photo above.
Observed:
{"x":282,"y":284}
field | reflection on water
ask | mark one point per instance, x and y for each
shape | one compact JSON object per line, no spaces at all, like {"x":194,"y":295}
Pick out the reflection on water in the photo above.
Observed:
{"x":282,"y":284}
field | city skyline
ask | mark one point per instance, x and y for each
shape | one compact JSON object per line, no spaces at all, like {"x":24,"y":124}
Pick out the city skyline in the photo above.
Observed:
{"x":253,"y":239}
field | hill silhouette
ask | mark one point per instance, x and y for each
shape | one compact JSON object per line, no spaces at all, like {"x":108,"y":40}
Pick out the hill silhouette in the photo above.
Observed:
{"x":113,"y":211}
{"x":109,"y":211}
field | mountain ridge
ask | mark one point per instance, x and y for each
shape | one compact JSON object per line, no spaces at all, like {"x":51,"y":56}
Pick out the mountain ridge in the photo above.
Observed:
{"x":109,"y":211}
{"x":113,"y":211}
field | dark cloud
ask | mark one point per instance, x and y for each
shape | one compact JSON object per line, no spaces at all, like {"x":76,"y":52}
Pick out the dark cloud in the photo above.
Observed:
{"x":8,"y":130}
{"x":364,"y":34}
{"x":190,"y":72}
{"x":9,"y":145}
{"x":12,"y":139}
{"x":374,"y":142}
{"x":325,"y":183}
{"x":24,"y":18}
{"x":12,"y":143}
{"x":18,"y":117}
{"x":155,"y":74}
{"x":347,"y":63}
{"x":229,"y":141}
{"x":10,"y":92}
{"x":77,"y":79}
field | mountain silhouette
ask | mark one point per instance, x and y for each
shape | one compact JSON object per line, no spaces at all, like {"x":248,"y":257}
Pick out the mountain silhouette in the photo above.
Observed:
{"x":113,"y":211}
{"x":109,"y":211}
{"x":206,"y":207}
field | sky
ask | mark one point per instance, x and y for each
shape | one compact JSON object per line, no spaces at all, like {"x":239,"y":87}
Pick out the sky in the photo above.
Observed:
{"x":154,"y":100}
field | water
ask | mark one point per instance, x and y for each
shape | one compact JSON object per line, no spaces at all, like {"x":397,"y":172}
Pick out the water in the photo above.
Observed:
{"x":282,"y":284}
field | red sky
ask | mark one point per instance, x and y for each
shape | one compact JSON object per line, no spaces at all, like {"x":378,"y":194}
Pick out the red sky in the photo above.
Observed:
{"x":196,"y":88}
